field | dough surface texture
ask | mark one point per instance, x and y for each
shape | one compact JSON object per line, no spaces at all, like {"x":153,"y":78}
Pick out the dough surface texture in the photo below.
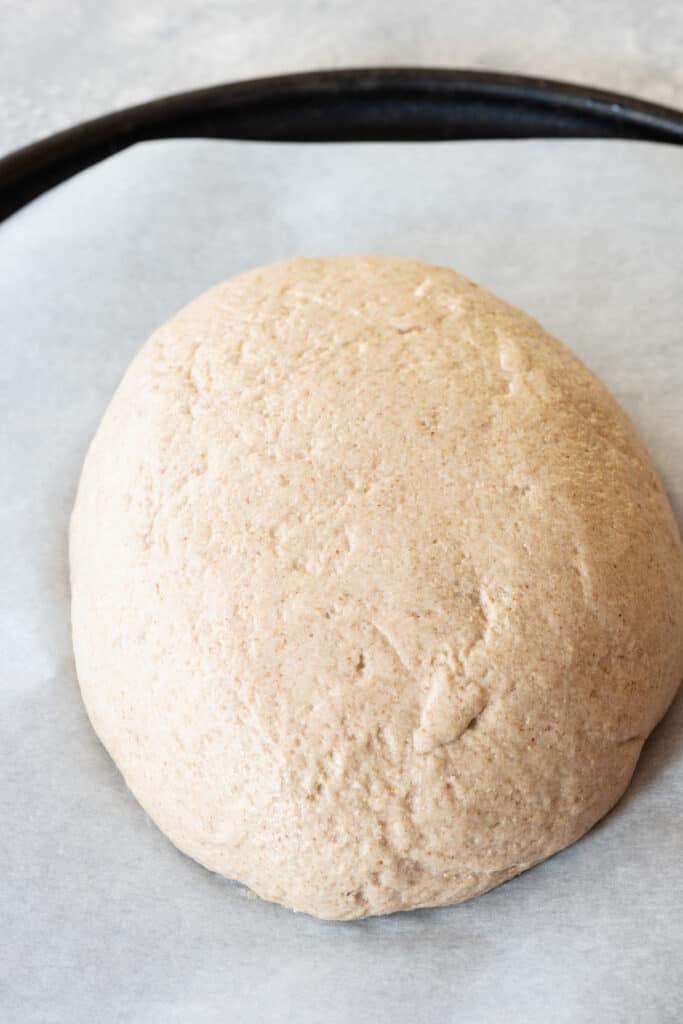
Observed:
{"x":375,"y":592}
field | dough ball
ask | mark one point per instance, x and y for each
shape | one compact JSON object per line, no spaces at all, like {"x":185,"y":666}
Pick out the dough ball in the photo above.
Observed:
{"x":376,"y":594}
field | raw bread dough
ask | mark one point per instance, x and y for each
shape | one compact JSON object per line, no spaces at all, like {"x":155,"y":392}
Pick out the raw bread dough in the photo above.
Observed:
{"x":376,"y":594}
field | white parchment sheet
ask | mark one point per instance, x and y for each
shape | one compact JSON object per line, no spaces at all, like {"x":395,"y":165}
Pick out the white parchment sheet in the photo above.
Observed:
{"x":101,"y":919}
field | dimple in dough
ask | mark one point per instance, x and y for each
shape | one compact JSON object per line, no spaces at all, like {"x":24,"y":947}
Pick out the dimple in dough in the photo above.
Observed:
{"x":376,"y":594}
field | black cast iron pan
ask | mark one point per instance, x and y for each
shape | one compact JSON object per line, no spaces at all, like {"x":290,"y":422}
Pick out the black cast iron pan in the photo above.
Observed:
{"x":355,"y":105}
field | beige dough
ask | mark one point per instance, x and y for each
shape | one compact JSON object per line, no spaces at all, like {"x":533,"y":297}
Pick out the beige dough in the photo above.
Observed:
{"x":376,"y":594}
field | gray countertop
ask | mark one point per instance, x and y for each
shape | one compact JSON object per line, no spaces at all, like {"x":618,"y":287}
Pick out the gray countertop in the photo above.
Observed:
{"x":64,"y":61}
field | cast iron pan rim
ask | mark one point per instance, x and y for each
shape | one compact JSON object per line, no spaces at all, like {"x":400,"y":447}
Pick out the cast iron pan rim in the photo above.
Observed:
{"x":350,"y":105}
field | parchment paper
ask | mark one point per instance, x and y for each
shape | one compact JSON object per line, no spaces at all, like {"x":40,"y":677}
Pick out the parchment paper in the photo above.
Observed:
{"x":101,"y":919}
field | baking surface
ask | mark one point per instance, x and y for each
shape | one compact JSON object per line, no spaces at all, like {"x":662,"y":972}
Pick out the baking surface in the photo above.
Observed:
{"x":102,"y":919}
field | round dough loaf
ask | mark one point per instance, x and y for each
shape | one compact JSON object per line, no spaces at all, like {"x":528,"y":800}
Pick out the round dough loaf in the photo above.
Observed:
{"x":376,"y":594}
